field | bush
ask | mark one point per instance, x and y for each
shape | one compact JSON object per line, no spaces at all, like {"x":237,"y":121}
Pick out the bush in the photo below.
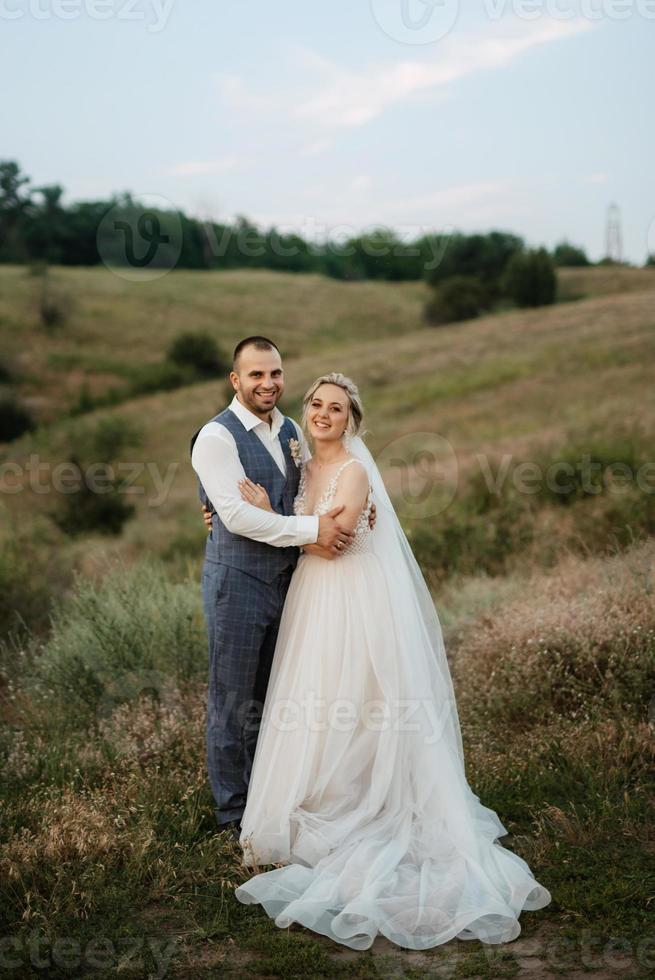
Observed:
{"x":15,"y":419}
{"x":456,"y":298}
{"x":585,"y":466}
{"x":569,"y":255}
{"x":492,"y":522}
{"x":89,"y":510}
{"x":107,"y":438}
{"x":481,"y":256}
{"x":164,"y":376}
{"x":200,"y":352}
{"x":54,"y":306}
{"x":530,"y":278}
{"x":132,"y":633}
{"x":479,"y":532}
{"x":99,"y":507}
{"x":32,"y":571}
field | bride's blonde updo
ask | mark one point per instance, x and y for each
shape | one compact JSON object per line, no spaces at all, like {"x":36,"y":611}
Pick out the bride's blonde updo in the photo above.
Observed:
{"x":356,"y":413}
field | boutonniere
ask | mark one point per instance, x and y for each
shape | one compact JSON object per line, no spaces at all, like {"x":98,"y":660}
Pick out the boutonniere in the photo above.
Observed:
{"x":296,"y":453}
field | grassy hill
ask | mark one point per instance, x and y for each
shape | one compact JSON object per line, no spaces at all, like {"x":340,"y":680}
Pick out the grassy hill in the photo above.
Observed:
{"x":514,"y":383}
{"x":546,"y":601}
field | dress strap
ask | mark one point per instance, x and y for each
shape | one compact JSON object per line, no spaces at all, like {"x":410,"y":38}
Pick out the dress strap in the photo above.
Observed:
{"x":332,"y":485}
{"x":343,"y":466}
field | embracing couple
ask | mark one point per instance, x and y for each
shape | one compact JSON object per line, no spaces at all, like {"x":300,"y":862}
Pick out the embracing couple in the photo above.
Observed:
{"x":334,"y":748}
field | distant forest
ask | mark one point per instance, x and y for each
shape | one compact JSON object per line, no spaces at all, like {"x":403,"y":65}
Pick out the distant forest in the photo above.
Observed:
{"x":36,"y":227}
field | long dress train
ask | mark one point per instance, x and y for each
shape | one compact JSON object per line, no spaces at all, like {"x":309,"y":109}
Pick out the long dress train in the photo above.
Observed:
{"x":358,"y":787}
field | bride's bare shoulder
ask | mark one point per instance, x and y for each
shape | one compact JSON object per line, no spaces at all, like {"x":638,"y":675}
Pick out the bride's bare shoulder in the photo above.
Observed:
{"x":353,"y":473}
{"x":359,"y":465}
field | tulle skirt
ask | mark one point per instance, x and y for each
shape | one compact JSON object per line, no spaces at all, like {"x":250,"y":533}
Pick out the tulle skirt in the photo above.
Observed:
{"x":352,"y":793}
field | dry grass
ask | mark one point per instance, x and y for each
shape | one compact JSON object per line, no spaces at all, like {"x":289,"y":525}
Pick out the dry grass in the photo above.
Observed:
{"x":578,"y":640}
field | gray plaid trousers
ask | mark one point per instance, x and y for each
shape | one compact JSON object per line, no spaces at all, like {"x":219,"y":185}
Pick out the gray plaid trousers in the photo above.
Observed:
{"x":243,"y":617}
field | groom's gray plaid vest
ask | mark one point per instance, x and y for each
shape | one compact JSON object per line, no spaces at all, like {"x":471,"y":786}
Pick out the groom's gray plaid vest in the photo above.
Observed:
{"x":263,"y":561}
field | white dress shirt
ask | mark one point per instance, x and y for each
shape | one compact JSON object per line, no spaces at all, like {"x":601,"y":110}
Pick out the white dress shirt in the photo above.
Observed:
{"x":215,"y":458}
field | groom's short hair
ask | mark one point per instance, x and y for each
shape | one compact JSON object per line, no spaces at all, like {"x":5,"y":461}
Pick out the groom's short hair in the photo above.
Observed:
{"x":259,"y":343}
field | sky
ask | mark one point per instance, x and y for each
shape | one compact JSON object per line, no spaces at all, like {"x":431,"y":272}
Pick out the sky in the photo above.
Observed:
{"x":529,"y":116}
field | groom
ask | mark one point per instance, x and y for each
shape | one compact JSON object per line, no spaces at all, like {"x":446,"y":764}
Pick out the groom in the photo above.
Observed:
{"x":250,"y":556}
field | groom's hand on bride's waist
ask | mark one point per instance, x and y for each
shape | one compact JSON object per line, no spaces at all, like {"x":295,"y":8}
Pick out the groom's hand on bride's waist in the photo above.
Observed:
{"x":331,"y":535}
{"x":207,"y":517}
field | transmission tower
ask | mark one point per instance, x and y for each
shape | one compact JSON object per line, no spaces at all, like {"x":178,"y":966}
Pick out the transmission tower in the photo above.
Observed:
{"x":613,"y":246}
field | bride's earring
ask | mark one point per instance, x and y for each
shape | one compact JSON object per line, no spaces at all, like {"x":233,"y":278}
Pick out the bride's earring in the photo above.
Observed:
{"x":347,"y":439}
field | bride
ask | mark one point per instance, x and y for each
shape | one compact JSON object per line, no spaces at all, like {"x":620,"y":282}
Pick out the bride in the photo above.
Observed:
{"x":358,"y":790}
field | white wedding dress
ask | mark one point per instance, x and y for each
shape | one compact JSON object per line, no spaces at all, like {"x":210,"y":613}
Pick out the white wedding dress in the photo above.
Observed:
{"x":358,"y":790}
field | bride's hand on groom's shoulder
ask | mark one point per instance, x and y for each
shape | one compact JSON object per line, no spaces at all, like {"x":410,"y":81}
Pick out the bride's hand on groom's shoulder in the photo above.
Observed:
{"x":255,"y":494}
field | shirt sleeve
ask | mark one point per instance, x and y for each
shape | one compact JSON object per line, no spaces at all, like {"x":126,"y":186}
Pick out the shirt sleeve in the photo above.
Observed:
{"x":216,"y":461}
{"x":304,"y":447}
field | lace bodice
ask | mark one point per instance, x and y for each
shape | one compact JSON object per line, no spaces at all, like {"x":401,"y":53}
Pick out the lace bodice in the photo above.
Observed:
{"x":360,"y":542}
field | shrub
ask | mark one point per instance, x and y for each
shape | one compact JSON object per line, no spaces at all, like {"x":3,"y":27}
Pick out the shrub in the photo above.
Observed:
{"x":160,"y":377}
{"x":32,"y":571}
{"x":135,"y":632}
{"x":89,"y":510}
{"x":200,"y":352}
{"x":569,"y":255}
{"x":456,"y":298}
{"x":100,"y":507}
{"x":107,"y":438}
{"x":473,"y":535}
{"x":492,"y":522}
{"x":19,"y":595}
{"x":481,"y":256}
{"x":54,"y":306}
{"x":586,"y":465}
{"x":15,"y":419}
{"x":530,"y":278}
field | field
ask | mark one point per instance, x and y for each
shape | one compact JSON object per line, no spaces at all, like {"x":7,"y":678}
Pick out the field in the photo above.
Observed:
{"x":546,"y":596}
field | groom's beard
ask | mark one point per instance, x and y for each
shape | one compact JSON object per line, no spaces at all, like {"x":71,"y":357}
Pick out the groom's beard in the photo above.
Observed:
{"x":259,"y":406}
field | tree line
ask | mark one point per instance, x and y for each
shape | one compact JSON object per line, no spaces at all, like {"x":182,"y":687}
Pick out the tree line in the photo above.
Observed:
{"x":36,"y":226}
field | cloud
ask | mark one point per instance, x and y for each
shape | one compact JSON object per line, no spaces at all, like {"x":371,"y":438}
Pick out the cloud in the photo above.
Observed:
{"x":327,"y":97}
{"x":600,"y":178}
{"x":349,"y":98}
